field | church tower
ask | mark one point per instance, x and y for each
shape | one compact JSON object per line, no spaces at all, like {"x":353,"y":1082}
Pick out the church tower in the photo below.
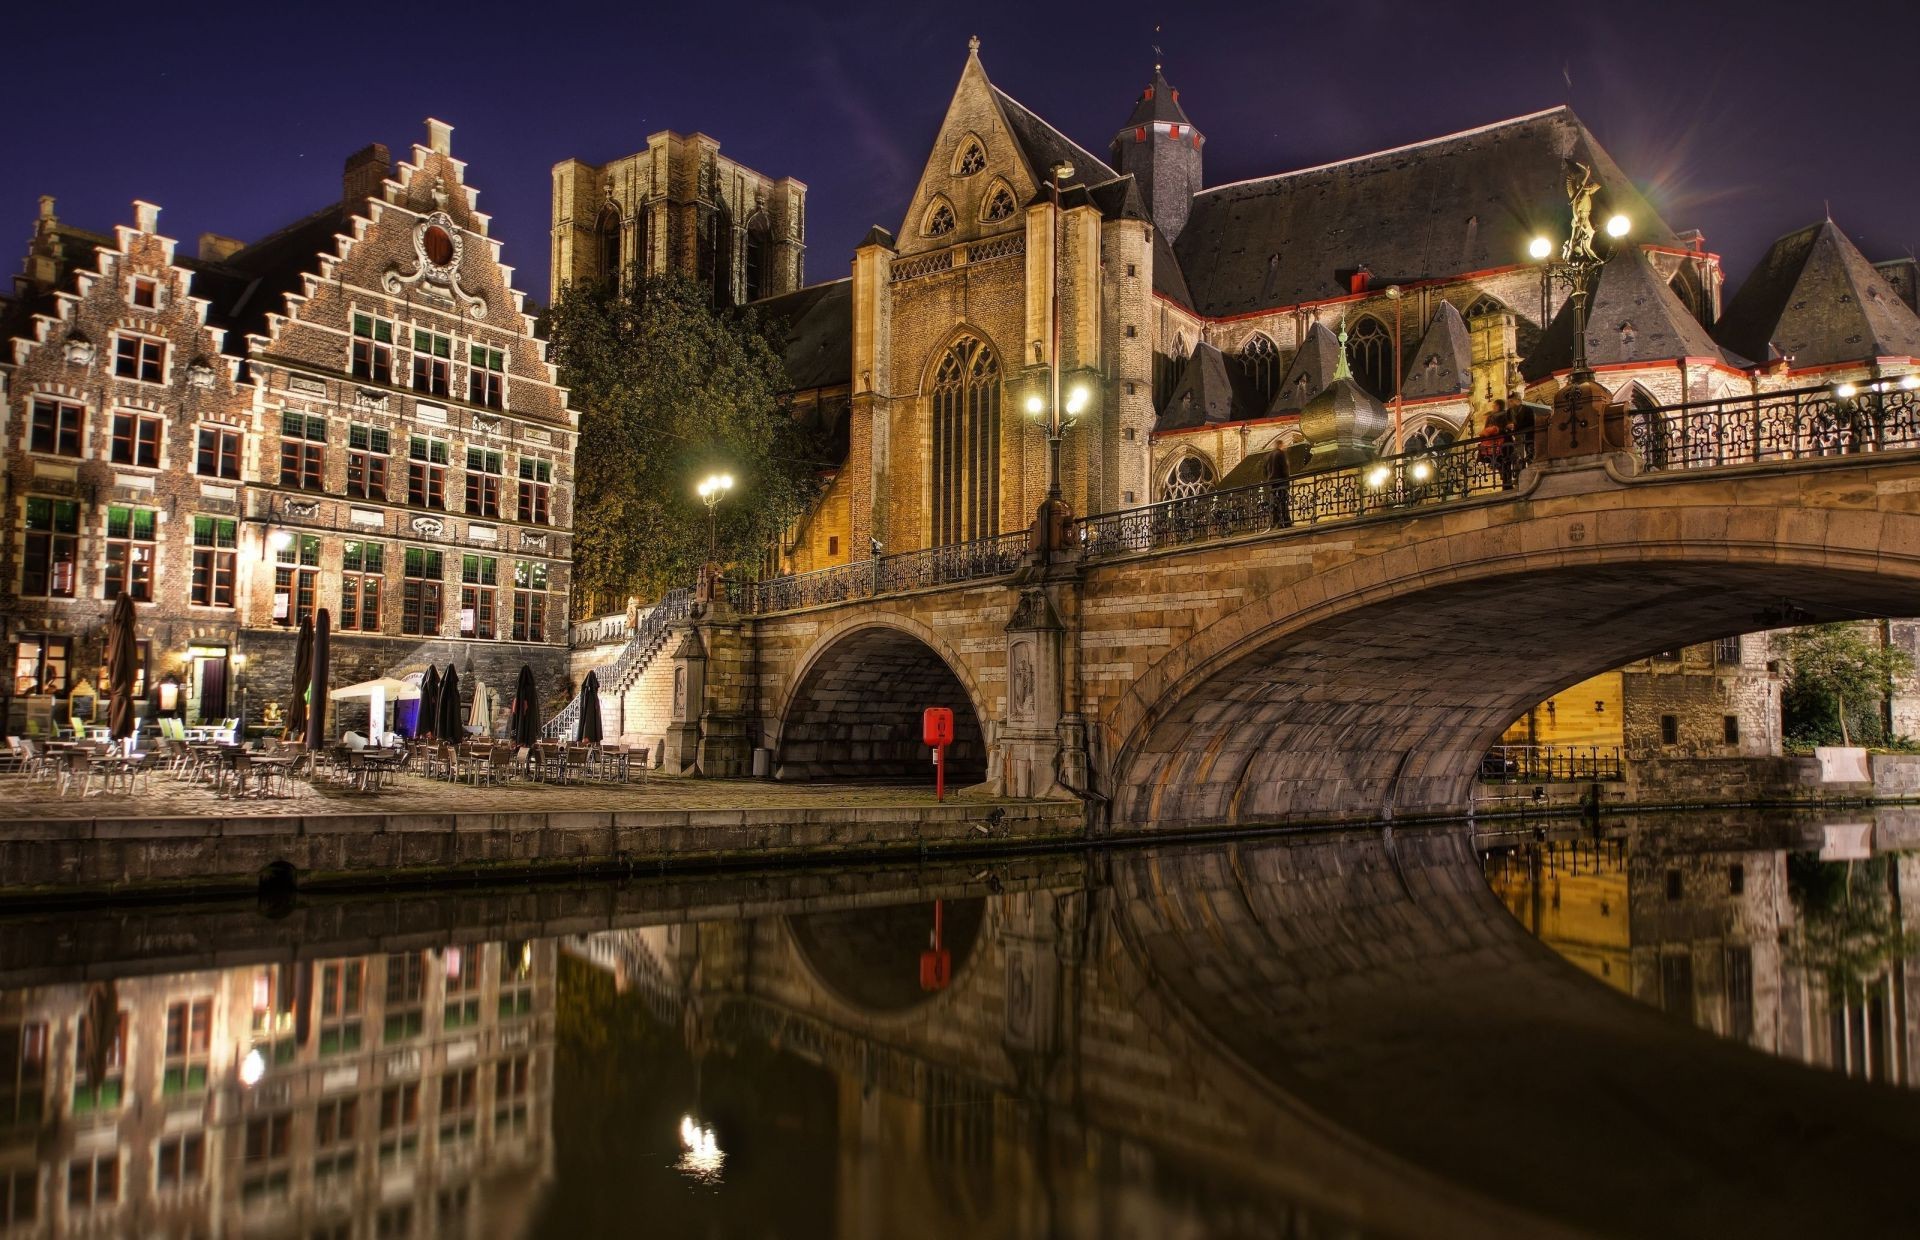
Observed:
{"x":1161,"y":148}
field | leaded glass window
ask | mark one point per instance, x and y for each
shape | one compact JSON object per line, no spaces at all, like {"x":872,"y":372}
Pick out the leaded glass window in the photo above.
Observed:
{"x":966,"y":443}
{"x":972,"y":160}
{"x":1370,"y":354}
{"x":1188,"y":477}
{"x":940,"y":220}
{"x":999,"y":204}
{"x":1262,"y":362}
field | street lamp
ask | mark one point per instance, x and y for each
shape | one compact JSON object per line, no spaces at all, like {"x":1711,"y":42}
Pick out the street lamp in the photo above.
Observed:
{"x":1052,"y":516}
{"x":1399,"y":435}
{"x":713,"y":488}
{"x":1579,"y":262}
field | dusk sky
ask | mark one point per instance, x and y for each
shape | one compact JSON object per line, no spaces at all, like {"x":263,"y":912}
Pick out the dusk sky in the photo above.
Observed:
{"x":1743,"y":120}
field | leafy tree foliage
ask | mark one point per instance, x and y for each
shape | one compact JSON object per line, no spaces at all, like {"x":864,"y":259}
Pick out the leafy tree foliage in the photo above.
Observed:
{"x":669,"y":389}
{"x":1839,"y":674}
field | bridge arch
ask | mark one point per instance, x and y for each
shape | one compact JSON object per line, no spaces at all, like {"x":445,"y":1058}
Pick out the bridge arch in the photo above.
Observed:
{"x":1372,"y":688}
{"x":851,"y":710}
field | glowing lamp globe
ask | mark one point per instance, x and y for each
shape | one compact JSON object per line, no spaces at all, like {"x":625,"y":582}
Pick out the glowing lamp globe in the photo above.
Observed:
{"x":1539,"y":248}
{"x":1618,"y":225}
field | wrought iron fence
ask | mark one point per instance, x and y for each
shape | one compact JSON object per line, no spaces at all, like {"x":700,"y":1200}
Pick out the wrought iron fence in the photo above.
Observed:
{"x":674,"y":607}
{"x":1837,"y":420}
{"x":1552,"y":764}
{"x":981,"y":559}
{"x":1392,"y":482}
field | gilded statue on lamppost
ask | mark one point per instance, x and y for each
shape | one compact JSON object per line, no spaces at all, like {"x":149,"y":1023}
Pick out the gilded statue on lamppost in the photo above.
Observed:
{"x":1581,"y":423}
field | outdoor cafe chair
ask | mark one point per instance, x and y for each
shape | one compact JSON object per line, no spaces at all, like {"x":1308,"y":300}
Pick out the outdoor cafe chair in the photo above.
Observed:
{"x":17,"y":754}
{"x":78,"y":769}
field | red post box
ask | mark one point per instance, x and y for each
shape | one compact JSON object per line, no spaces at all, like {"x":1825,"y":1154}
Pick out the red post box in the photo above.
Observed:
{"x":936,"y":729}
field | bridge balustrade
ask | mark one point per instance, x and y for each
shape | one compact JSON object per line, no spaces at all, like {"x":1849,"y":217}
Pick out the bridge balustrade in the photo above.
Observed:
{"x":1834,"y":420}
{"x":981,"y":559}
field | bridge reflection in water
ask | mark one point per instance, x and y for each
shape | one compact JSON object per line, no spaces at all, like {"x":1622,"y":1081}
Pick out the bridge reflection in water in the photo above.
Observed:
{"x":1332,"y":1034}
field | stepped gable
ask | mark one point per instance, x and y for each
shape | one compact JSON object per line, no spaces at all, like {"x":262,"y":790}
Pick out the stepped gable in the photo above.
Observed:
{"x":1636,"y":318}
{"x":1308,"y":374}
{"x":1816,"y":299}
{"x":1463,"y":203}
{"x":1442,"y":365}
{"x":1211,"y":390}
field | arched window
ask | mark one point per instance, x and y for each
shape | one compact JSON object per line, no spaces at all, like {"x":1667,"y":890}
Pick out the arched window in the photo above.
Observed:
{"x":759,"y":256}
{"x":1167,"y":368}
{"x":966,"y":443}
{"x":1686,"y":286}
{"x":1187,"y":477}
{"x":1262,"y":362}
{"x":999,"y":206}
{"x":940,"y":219}
{"x":1429,"y":437}
{"x":607,"y":239}
{"x":973,"y":158}
{"x":1370,"y":354}
{"x":716,"y":256}
{"x":1484,"y":304}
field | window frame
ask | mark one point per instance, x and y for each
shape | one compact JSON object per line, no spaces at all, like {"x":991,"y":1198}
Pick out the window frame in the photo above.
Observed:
{"x":145,"y":363}
{"x":131,"y":544}
{"x":147,"y":438}
{"x":422,"y":593}
{"x":224,"y":438}
{"x":41,"y":556}
{"x":215,"y":562}
{"x":62,"y":440}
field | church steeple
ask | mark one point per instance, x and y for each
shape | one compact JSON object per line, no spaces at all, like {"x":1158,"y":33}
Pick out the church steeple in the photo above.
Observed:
{"x":1161,"y":148}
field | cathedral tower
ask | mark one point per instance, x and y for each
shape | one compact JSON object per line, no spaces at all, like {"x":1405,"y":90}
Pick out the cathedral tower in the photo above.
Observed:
{"x":1161,"y":148}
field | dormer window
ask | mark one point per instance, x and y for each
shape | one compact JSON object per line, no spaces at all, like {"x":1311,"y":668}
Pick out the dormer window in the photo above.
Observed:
{"x":999,"y":205}
{"x":973,"y":159}
{"x":146,"y":292}
{"x":940,"y":220}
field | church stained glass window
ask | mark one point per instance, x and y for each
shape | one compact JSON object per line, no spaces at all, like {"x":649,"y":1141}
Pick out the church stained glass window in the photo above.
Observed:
{"x":609,"y":242}
{"x":1189,"y":476}
{"x":1370,"y":354}
{"x":940,"y":220}
{"x":1484,"y":305}
{"x":966,"y":443}
{"x":1262,"y":363}
{"x":1429,"y":437}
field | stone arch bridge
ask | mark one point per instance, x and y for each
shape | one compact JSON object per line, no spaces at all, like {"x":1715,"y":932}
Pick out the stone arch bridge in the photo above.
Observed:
{"x":1342,"y":646}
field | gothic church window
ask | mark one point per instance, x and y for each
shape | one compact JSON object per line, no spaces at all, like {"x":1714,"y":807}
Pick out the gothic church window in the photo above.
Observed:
{"x":716,"y":256}
{"x":608,"y":238}
{"x":1188,"y":477}
{"x":1167,"y":368}
{"x":1429,"y":437}
{"x":940,"y":220}
{"x":1484,"y":305}
{"x":1262,"y":363}
{"x":999,"y":205}
{"x":973,"y":159}
{"x":1370,"y":354}
{"x":966,"y":443}
{"x":759,"y":255}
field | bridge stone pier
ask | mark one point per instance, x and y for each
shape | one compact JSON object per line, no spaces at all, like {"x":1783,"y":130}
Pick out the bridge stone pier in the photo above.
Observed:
{"x":1348,"y":669}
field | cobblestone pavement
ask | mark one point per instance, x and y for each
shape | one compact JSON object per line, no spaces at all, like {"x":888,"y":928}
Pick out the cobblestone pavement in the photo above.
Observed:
{"x":164,"y":796}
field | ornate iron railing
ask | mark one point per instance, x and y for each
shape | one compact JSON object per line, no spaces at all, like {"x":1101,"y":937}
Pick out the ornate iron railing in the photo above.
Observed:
{"x":1837,"y":420}
{"x":1384,"y":485}
{"x":1552,"y":764}
{"x":979,"y":560}
{"x":648,"y":635}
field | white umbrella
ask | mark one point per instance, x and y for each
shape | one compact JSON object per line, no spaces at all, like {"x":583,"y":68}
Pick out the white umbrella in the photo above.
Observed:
{"x":377,"y":692}
{"x":480,"y":720}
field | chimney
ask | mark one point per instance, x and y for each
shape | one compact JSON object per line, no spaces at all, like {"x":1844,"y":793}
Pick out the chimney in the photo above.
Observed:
{"x":367,"y":170}
{"x":146,"y":216}
{"x":1360,"y":281}
{"x":215,"y":248}
{"x":439,"y":136}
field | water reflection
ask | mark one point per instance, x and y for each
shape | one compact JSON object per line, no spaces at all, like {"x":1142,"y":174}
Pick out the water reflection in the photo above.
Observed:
{"x":1799,"y":945}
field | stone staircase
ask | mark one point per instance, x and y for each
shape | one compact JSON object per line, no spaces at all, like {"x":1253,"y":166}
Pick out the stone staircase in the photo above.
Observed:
{"x":644,"y":643}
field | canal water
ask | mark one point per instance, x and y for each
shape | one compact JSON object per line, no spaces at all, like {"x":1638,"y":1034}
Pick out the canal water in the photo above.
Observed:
{"x":1694,"y":1025}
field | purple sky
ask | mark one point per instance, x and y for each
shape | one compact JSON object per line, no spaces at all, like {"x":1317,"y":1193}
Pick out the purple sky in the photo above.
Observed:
{"x":1743,"y":120}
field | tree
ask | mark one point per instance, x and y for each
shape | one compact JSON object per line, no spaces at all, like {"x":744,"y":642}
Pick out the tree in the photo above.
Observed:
{"x":669,"y":388}
{"x":1837,"y":675}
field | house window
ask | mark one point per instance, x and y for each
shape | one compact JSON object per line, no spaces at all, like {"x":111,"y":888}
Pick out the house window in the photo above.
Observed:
{"x":483,"y":482}
{"x":1189,"y":476}
{"x":336,"y":1125}
{"x":486,"y":376}
{"x":372,"y":349}
{"x":463,"y":987}
{"x":217,"y":453}
{"x":140,"y":651}
{"x":966,"y":443}
{"x":529,"y":601}
{"x":1726,"y":652}
{"x":93,"y":1180}
{"x":342,"y":993}
{"x":459,"y":1105}
{"x":1000,"y":206}
{"x":1669,"y":729}
{"x":516,"y":979}
{"x":1730,"y":729}
{"x":367,"y":449}
{"x":536,"y":478}
{"x":40,"y":664}
{"x":303,"y":451}
{"x":266,"y":1170}
{"x":139,"y":357}
{"x":1370,"y":353}
{"x":399,"y":1124}
{"x":214,"y":543}
{"x":130,"y":552}
{"x":1261,"y":361}
{"x":145,"y":293}
{"x":478,"y":577}
{"x":362,"y":576}
{"x":296,"y":580}
{"x":511,"y":1085}
{"x":105,"y":1092}
{"x":56,"y":428}
{"x":406,"y":987}
{"x":53,"y":545}
{"x":420,"y":593}
{"x":136,"y":439}
{"x":180,"y":1160}
{"x":833,"y":544}
{"x":940,"y":220}
{"x":432,"y":362}
{"x":1736,"y":879}
{"x":427,"y":472}
{"x":189,"y":1046}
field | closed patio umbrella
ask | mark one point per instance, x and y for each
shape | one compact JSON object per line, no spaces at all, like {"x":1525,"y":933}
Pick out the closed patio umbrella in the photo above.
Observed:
{"x":523,"y":720}
{"x":480,"y":718}
{"x":317,"y":695}
{"x":302,"y":678}
{"x":450,"y":727}
{"x":122,"y":666}
{"x":428,"y":723}
{"x":590,"y":732}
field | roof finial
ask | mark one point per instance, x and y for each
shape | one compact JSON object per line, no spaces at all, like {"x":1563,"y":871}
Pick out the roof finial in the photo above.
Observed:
{"x":973,"y":46}
{"x":1157,"y":53}
{"x":1340,"y":368}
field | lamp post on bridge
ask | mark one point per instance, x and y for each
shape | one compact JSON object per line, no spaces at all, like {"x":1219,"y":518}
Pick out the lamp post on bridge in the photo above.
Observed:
{"x":1577,"y":266}
{"x":1051,"y":524}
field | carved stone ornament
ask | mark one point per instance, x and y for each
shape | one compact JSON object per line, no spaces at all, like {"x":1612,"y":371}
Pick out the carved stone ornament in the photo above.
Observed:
{"x":437,"y":246}
{"x":486,"y":425}
{"x":530,"y":541}
{"x":200,"y":374}
{"x":79,"y":350}
{"x":375,"y":402}
{"x":433,"y":527}
{"x":305,"y":508}
{"x":1020,"y":680}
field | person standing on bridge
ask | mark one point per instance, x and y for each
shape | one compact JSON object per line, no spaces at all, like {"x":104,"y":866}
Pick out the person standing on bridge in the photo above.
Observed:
{"x":1496,"y":444}
{"x":1279,"y":497}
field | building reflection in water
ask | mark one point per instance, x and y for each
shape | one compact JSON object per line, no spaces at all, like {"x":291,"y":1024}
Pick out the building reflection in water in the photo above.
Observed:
{"x":1807,"y":951}
{"x":402,"y":1094}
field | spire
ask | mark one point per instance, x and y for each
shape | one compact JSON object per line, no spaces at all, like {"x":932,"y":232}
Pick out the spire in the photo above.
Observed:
{"x":1160,"y":147}
{"x":1340,"y":368}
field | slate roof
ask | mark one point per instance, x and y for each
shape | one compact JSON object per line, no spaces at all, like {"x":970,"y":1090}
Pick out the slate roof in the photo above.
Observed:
{"x":817,"y":322}
{"x":1158,"y":102}
{"x":1212,"y":389}
{"x":1442,"y":364}
{"x":1466,"y":202}
{"x":1043,"y":146}
{"x":252,"y":282}
{"x":1309,"y":372}
{"x":1636,"y":318}
{"x":1816,"y":299}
